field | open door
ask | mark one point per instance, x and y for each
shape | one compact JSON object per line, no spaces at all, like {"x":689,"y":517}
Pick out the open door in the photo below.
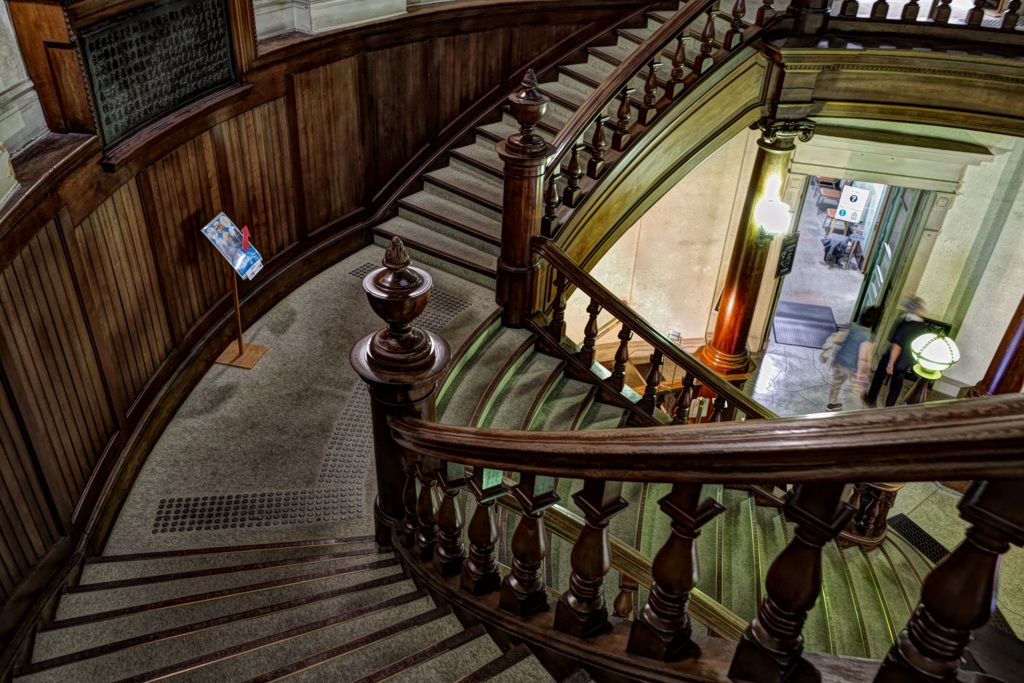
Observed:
{"x":888,"y":248}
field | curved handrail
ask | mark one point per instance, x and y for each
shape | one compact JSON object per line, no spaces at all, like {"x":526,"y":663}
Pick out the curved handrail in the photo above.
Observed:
{"x":610,"y":88}
{"x":958,"y":439}
{"x":638,"y":325}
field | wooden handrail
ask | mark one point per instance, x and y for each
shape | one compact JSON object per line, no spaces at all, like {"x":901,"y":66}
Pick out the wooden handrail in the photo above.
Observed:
{"x":628,"y":317}
{"x":957,"y":439}
{"x":611,"y":87}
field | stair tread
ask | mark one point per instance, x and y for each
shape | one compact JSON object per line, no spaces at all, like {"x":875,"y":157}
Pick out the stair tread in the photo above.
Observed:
{"x":843,"y":614}
{"x":527,"y":670}
{"x":476,"y":375}
{"x":515,"y":398}
{"x":454,"y":212}
{"x":466,"y":185}
{"x":63,"y":641}
{"x":452,"y":664}
{"x":867,"y":590}
{"x":559,"y":410}
{"x":740,"y":575}
{"x":241,"y":635}
{"x":80,"y":604}
{"x":485,"y":157}
{"x":421,"y":235}
{"x":603,"y":416}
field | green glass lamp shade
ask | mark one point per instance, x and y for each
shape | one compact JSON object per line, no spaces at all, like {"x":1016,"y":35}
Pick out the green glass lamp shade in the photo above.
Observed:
{"x":933,"y":353}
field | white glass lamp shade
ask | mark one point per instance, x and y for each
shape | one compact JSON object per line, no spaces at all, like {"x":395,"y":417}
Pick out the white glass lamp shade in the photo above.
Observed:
{"x":933,"y":353}
{"x":771,"y":213}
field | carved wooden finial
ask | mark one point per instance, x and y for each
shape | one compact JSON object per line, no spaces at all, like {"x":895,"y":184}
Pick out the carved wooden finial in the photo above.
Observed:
{"x":398,"y":293}
{"x":395,"y":256}
{"x":527,"y":105}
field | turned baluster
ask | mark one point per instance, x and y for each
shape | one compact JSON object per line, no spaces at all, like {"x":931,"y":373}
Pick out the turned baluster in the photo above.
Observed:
{"x":703,"y":61}
{"x":662,"y":629}
{"x":581,"y":610}
{"x":648,"y":111}
{"x":675,"y":84}
{"x":650,"y":398}
{"x":976,"y":14}
{"x":426,"y":509}
{"x":911,"y":11}
{"x":959,"y":595}
{"x":450,"y":551}
{"x":618,"y":379}
{"x":880,"y":9}
{"x":597,"y":146}
{"x":590,"y":334}
{"x":718,"y":413}
{"x":735,"y":35}
{"x":766,"y":12}
{"x":1011,"y":16}
{"x":942,"y":12}
{"x":875,"y":501}
{"x":621,"y":136}
{"x":626,"y":599}
{"x":557,"y":325}
{"x":410,"y":522}
{"x":480,"y":569}
{"x":523,"y":591}
{"x":549,"y":223}
{"x":770,"y":649}
{"x":683,"y":403}
{"x":849,"y":8}
{"x":572,"y":193}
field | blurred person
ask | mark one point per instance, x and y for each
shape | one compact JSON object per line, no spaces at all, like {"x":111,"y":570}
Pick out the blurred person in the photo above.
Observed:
{"x":898,"y":360}
{"x":851,"y":355}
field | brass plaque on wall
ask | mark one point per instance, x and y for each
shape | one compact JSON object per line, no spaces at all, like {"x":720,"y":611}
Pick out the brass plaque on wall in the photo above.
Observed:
{"x":145,"y":64}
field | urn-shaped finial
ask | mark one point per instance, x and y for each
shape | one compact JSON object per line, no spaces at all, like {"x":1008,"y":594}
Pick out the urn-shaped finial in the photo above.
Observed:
{"x":527,"y":105}
{"x":398,"y":293}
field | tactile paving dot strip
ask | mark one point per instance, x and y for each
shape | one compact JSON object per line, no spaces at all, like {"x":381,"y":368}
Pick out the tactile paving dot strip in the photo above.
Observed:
{"x":441,"y":310}
{"x":348,"y":451}
{"x":252,"y":510}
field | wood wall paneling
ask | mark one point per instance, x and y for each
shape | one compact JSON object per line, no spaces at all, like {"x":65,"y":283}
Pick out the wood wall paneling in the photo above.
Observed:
{"x":28,"y":527}
{"x":331,"y":140}
{"x":470,"y":65}
{"x":258,"y":171}
{"x":526,"y":42}
{"x":112,"y":254}
{"x":182,"y":193}
{"x":50,"y":361}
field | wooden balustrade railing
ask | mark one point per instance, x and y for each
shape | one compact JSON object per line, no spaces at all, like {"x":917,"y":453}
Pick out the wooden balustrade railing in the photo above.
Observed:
{"x":939,"y":13}
{"x":726,"y":396}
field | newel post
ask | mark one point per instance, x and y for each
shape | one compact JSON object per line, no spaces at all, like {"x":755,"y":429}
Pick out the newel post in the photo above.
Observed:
{"x":525,"y":155}
{"x":401,"y":365}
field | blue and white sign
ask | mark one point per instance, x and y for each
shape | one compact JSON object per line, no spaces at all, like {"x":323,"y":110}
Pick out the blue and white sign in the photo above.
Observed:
{"x":852,"y":204}
{"x":226,"y":236}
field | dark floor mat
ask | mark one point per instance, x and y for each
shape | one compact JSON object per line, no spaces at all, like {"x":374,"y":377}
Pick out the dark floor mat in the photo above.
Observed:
{"x":803,"y":324}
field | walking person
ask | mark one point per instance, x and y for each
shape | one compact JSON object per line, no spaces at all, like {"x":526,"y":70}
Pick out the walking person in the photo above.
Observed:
{"x":898,"y":360}
{"x":851,"y":357}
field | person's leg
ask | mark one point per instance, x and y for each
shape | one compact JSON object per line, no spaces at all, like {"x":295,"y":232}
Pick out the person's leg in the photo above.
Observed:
{"x":839,"y":377}
{"x":895,"y":384}
{"x":876,"y":380}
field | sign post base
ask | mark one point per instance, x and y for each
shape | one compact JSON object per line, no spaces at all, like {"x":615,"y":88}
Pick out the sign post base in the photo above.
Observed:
{"x":247,"y":359}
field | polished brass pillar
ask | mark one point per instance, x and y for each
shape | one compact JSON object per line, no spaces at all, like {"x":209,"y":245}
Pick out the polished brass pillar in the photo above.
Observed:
{"x":727,"y":352}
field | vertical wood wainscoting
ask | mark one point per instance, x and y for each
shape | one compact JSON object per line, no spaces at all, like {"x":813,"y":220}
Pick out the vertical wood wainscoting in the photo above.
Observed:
{"x":112,"y":304}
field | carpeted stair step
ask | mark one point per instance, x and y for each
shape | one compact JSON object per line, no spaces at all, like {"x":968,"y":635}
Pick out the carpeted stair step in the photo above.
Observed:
{"x":346,"y":614}
{"x":518,"y":391}
{"x":907,"y":583}
{"x":341,"y":657}
{"x":515,"y":666}
{"x":463,"y":393}
{"x":114,"y":568}
{"x":564,"y":407}
{"x":452,"y":220}
{"x":879,"y":630}
{"x":431,"y":247}
{"x":448,"y":660}
{"x":741,"y":576}
{"x":479,"y":161}
{"x":102,"y":597}
{"x":58,"y":640}
{"x":603,"y":416}
{"x":839,"y":601}
{"x":472,"y":192}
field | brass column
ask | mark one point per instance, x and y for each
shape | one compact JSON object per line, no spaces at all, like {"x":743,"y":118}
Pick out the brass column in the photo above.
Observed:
{"x":727,"y":352}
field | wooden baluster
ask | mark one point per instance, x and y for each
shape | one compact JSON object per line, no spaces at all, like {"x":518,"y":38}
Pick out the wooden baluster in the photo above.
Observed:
{"x":581,"y":610}
{"x":480,"y":569}
{"x":618,"y":379}
{"x":942,"y":12}
{"x":572,"y":193}
{"x":976,"y":14}
{"x":662,"y":629}
{"x":648,"y":111}
{"x":1011,"y":16}
{"x":557,"y":325}
{"x":880,"y":9}
{"x":911,"y":11}
{"x":766,"y":12}
{"x":849,"y":8}
{"x":683,"y":403}
{"x":735,"y":35}
{"x":523,"y":591}
{"x":703,"y":62}
{"x":549,"y":224}
{"x":718,"y":414}
{"x":649,"y":402}
{"x":621,"y":136}
{"x":770,"y":649}
{"x":626,"y":599}
{"x":597,"y":146}
{"x":959,"y":595}
{"x":450,"y":551}
{"x":590,"y":334}
{"x":426,"y":509}
{"x":675,"y":85}
{"x":410,"y":522}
